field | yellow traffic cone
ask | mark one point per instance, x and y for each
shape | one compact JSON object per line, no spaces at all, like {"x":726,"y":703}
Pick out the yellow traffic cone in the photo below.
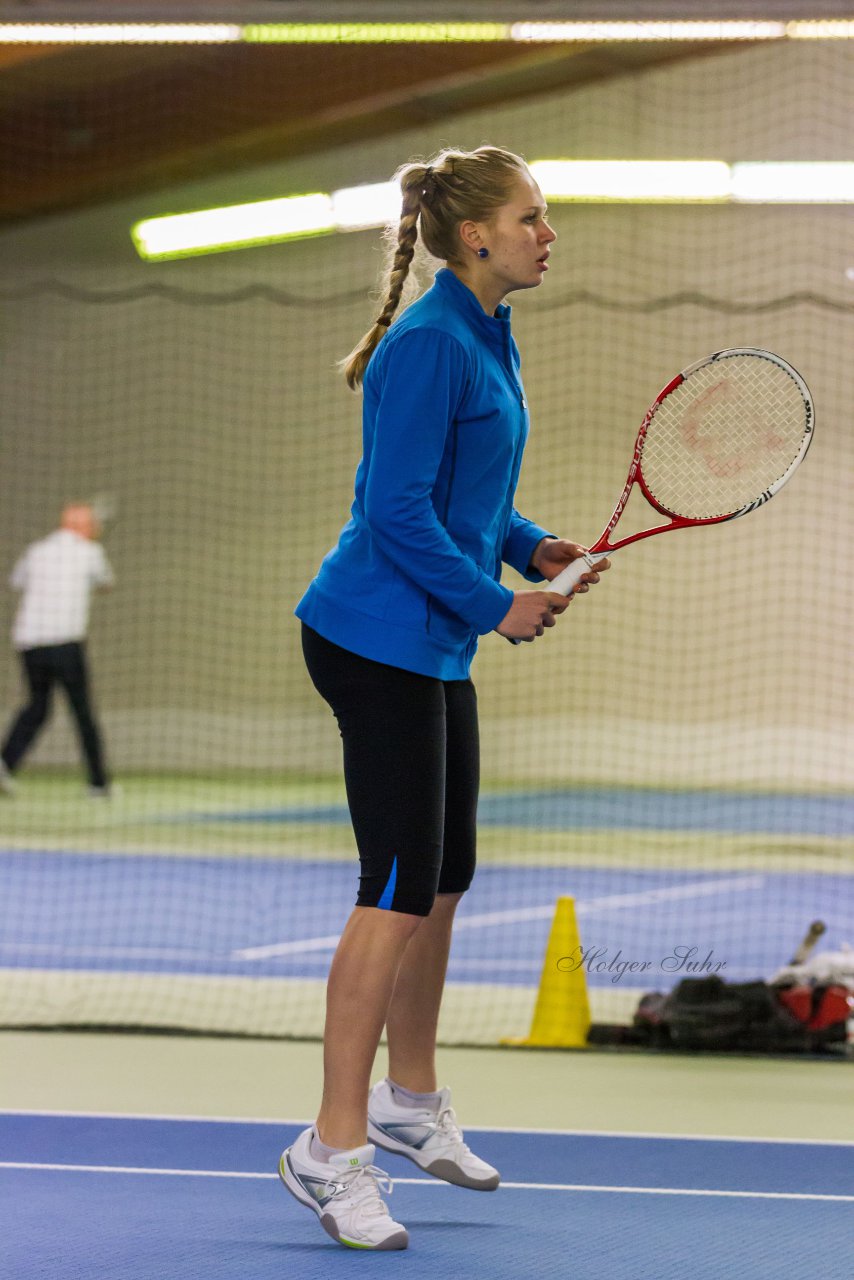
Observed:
{"x":562,"y":1013}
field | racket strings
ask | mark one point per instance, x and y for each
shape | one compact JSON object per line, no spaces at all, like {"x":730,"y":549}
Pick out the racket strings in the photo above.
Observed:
{"x":727,"y":434}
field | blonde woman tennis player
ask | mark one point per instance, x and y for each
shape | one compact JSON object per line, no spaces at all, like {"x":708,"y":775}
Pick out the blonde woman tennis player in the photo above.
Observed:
{"x":390,"y":627}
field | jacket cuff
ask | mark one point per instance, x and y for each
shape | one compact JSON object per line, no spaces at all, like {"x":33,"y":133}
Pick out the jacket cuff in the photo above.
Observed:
{"x":489,"y":602}
{"x":520,"y":547}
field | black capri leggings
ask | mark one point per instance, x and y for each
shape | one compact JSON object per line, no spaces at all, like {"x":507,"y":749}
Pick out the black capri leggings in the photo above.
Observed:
{"x":412,"y":769}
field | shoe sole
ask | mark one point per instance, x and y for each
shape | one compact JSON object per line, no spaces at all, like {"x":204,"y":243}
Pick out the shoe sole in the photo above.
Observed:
{"x":446,"y":1170}
{"x":399,"y":1240}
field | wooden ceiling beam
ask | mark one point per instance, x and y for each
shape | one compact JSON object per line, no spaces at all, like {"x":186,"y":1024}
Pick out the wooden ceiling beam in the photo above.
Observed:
{"x":88,"y":125}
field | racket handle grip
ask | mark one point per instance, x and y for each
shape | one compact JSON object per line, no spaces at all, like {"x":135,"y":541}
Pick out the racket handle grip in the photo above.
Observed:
{"x":568,"y":579}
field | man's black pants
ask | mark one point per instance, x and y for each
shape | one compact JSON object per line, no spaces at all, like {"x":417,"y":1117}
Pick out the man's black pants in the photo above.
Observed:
{"x":45,"y":667}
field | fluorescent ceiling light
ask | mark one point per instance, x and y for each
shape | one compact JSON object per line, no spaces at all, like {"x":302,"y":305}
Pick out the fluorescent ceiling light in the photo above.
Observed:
{"x":650,"y":180}
{"x":821,"y":29}
{"x":374,"y":32}
{"x":372,"y":205}
{"x":378,"y":204}
{"x":418,"y":32}
{"x":235,"y":226}
{"x":811,"y":182}
{"x":599,"y":31}
{"x":119,"y":33}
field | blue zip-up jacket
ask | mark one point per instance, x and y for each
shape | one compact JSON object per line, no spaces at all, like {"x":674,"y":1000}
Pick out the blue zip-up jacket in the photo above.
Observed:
{"x":413,"y":579}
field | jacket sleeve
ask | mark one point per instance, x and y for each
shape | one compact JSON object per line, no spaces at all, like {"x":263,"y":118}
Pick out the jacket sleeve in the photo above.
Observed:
{"x":522,"y":536}
{"x":422,"y":385}
{"x":20,"y":574}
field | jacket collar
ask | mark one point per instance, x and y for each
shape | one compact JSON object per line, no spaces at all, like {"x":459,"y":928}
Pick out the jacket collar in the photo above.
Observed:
{"x":496,"y":329}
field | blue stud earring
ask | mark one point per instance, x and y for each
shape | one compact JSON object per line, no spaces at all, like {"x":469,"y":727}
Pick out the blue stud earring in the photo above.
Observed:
{"x":483,"y":252}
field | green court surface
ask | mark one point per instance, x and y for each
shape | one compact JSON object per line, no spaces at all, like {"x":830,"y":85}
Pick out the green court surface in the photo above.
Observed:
{"x":547,"y":1089}
{"x":248,"y":815}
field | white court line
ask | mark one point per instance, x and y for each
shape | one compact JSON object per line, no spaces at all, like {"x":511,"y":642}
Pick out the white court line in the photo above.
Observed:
{"x":300,"y":1122}
{"x":614,"y":901}
{"x":118,"y":1168}
{"x":610,"y":902}
{"x":288,"y":948}
{"x":126,"y":953}
{"x":425,"y":1182}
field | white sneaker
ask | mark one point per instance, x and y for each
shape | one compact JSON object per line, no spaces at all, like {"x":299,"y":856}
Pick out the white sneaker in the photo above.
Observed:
{"x":344,"y":1194}
{"x":429,"y":1136}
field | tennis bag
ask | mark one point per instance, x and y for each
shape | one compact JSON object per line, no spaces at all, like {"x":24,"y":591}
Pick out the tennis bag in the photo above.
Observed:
{"x":709,"y":1013}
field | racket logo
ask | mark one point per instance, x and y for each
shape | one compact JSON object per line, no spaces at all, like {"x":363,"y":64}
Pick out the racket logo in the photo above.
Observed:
{"x":699,"y":433}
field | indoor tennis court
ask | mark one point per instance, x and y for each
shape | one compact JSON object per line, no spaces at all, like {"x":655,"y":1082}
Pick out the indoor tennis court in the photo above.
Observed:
{"x":675,"y":756}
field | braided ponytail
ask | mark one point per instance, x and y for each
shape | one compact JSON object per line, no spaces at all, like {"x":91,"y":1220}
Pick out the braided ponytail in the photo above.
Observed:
{"x":437,"y":198}
{"x":412,"y":179}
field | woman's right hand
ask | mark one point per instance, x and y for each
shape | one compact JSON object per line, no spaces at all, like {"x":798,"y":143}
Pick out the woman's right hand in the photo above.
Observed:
{"x":530,"y":613}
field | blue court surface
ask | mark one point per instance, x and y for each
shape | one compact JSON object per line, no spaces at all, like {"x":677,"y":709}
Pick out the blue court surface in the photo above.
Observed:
{"x":270,"y":917}
{"x":178,"y":1199}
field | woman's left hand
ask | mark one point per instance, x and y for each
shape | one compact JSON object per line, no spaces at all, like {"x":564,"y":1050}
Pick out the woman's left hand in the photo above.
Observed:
{"x":552,"y":555}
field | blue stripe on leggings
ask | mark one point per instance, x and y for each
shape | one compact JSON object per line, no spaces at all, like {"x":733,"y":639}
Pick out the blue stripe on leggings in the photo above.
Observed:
{"x":388,"y":892}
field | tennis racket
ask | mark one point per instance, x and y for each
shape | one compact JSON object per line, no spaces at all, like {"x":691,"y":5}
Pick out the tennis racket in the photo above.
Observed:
{"x":720,"y":440}
{"x":104,"y":507}
{"x":808,"y":942}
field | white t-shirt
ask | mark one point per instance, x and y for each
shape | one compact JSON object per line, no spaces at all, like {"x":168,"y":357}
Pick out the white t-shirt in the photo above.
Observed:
{"x":57,"y":576}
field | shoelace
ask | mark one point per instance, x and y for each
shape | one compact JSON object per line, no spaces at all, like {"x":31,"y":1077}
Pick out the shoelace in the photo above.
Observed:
{"x":447,"y":1127}
{"x":372,"y":1180}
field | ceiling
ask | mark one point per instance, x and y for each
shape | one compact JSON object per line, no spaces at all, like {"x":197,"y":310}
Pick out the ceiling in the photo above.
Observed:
{"x":82,"y":125}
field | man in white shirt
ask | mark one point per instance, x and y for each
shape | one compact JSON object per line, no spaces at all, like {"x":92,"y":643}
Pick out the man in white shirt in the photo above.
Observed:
{"x":57,"y":576}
